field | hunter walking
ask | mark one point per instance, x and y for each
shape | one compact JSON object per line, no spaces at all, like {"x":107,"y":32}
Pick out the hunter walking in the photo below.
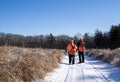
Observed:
{"x":71,"y":48}
{"x":81,"y":50}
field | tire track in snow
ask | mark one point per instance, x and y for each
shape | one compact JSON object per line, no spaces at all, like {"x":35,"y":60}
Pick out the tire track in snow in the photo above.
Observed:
{"x":67,"y":74}
{"x":97,"y":71}
{"x":82,"y":72}
{"x":100,"y":74}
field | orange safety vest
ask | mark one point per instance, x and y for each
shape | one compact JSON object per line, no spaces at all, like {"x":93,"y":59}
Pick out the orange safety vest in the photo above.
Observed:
{"x":71,"y":49}
{"x":81,"y":48}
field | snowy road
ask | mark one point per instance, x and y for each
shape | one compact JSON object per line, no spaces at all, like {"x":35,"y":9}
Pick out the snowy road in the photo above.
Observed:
{"x":90,"y":71}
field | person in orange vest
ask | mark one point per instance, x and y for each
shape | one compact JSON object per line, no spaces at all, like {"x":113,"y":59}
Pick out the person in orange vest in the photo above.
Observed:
{"x":81,"y":50}
{"x":71,"y":48}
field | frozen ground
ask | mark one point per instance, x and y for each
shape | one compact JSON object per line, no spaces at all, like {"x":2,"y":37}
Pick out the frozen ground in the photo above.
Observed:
{"x":90,"y":71}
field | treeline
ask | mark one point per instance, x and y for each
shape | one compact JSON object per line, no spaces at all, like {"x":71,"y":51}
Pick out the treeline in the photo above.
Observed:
{"x":102,"y":40}
{"x":43,"y":41}
{"x":109,"y":39}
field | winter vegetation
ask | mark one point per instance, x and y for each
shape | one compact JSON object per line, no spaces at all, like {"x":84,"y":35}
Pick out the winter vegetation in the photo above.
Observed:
{"x":100,"y":40}
{"x":106,"y":55}
{"x":39,"y":41}
{"x":27,"y":64}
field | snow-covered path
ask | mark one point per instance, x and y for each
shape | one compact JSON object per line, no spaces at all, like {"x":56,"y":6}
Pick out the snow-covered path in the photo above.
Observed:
{"x":90,"y":71}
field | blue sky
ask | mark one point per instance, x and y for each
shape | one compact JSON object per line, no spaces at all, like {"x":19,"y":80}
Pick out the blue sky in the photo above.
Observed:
{"x":36,"y":17}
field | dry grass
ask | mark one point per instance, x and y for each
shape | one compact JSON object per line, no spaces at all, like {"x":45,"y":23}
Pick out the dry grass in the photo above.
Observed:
{"x":107,"y":55}
{"x":27,"y":64}
{"x":116,"y":59}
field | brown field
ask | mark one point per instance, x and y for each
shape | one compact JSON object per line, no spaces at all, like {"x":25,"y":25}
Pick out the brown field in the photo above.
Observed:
{"x":27,"y":64}
{"x":107,"y":55}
